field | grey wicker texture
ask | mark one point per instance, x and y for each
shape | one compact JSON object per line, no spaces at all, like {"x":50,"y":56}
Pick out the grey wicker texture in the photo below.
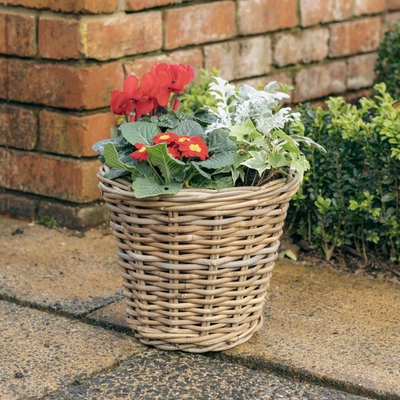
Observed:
{"x":196,"y":265}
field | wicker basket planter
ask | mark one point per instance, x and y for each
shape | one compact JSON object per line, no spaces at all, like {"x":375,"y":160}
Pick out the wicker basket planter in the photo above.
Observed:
{"x":196,"y":265}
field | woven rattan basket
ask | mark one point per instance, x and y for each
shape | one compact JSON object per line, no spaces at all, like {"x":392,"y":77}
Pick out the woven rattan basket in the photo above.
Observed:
{"x":196,"y":265}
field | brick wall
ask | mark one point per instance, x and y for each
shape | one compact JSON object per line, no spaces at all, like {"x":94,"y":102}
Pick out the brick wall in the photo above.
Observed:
{"x":60,"y":59}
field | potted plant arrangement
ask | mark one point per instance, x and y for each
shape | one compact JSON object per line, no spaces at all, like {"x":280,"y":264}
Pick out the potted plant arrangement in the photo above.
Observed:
{"x":197,"y":204}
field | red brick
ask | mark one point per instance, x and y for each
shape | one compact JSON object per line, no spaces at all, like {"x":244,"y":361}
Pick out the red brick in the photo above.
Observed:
{"x":4,"y":72}
{"x":140,"y":66}
{"x":73,"y":135}
{"x":65,"y":86}
{"x":240,"y":58}
{"x":391,"y":18}
{"x":393,"y":4}
{"x":52,"y":176}
{"x":258,"y":16}
{"x":101,"y":38}
{"x":354,"y":37}
{"x":360,"y":71}
{"x":69,"y":6}
{"x":136,"y":5}
{"x":18,"y":33}
{"x":315,"y":11}
{"x":18,"y":127}
{"x":199,"y":24}
{"x":59,"y":37}
{"x":369,"y":6}
{"x":287,"y":49}
{"x":320,"y":81}
{"x":309,"y":45}
{"x":315,"y":44}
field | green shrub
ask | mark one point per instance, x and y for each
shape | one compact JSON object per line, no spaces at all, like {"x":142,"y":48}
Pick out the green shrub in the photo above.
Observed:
{"x":196,"y":95}
{"x":351,"y":194}
{"x":387,"y":66}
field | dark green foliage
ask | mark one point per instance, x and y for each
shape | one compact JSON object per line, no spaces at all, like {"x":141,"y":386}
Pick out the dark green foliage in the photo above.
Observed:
{"x":387,"y":66}
{"x":351,"y":194}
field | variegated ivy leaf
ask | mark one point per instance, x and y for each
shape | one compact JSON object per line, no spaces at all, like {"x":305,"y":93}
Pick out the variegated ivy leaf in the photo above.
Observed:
{"x":242,"y":133}
{"x":277,"y":160}
{"x":300,"y":164}
{"x":259,"y":161}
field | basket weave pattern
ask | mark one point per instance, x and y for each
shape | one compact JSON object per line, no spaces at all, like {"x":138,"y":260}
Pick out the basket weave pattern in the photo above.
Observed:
{"x":196,"y":265}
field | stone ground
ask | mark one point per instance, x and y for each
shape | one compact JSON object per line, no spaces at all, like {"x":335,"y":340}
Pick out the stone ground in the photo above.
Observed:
{"x":327,"y":335}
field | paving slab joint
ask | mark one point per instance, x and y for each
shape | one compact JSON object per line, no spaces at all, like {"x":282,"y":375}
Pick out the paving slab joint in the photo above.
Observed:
{"x":299,"y":375}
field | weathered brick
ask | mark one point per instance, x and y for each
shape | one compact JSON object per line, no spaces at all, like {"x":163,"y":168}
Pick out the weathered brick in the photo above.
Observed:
{"x":240,"y":58}
{"x":68,"y":6}
{"x":393,"y":4}
{"x":65,"y":86}
{"x":21,"y":206}
{"x":4,"y":72}
{"x":360,"y":71}
{"x":369,"y":6}
{"x":52,"y":176}
{"x":354,"y":37}
{"x":73,"y":135}
{"x":315,"y":11}
{"x":259,"y":16}
{"x":18,"y":127}
{"x":60,"y":37}
{"x":18,"y":32}
{"x":287,"y":49}
{"x":320,"y":81}
{"x":315,"y":44}
{"x":309,"y":45}
{"x":391,"y":18}
{"x":73,"y":217}
{"x":101,"y":38}
{"x":136,"y":5}
{"x":198,"y":24}
{"x":140,"y":66}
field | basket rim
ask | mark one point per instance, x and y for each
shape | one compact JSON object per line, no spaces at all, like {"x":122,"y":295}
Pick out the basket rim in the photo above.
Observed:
{"x":123,"y":187}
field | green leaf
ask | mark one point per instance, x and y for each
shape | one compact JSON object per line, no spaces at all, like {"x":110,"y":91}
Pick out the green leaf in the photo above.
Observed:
{"x":203,"y":183}
{"x":151,"y":186}
{"x":117,"y":142}
{"x":170,"y":168}
{"x":190,"y":128}
{"x":222,"y":149}
{"x":114,"y":173}
{"x":277,"y":160}
{"x":140,"y":132}
{"x":300,"y":164}
{"x":388,"y":197}
{"x":112,"y":159}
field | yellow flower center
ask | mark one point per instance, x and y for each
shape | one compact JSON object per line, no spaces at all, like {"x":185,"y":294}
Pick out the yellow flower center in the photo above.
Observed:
{"x":142,"y":150}
{"x":195,"y":147}
{"x":163,"y":137}
{"x":183,"y":139}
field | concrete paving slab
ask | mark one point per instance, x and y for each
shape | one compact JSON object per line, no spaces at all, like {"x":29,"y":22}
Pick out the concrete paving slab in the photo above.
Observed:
{"x":57,"y":269}
{"x":156,"y":374}
{"x":111,"y":316}
{"x":41,"y":353}
{"x":329,"y":327}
